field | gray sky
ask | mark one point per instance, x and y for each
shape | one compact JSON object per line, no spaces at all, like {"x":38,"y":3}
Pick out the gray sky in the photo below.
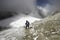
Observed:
{"x":17,"y":5}
{"x":47,"y":7}
{"x":22,"y":4}
{"x":55,"y":4}
{"x":26,"y":5}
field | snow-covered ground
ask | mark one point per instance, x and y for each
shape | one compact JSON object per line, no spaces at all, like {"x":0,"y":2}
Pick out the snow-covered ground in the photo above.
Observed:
{"x":15,"y":33}
{"x":12,"y":34}
{"x":22,"y":20}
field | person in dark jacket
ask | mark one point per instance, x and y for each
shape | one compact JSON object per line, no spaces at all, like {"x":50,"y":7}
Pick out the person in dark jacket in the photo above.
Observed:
{"x":27,"y":24}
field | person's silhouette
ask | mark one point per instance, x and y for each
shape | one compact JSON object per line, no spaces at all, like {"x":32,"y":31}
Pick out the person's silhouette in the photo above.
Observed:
{"x":27,"y":24}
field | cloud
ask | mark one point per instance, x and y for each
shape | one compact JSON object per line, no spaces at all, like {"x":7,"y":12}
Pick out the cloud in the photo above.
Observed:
{"x":17,"y":5}
{"x":55,"y":3}
{"x":47,"y":9}
{"x":50,"y":7}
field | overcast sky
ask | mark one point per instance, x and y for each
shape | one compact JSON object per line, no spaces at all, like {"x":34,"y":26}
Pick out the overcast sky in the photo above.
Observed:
{"x":17,"y":5}
{"x":54,"y":3}
{"x":28,"y":5}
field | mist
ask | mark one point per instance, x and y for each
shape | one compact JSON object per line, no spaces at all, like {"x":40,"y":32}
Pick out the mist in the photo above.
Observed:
{"x":27,"y":7}
{"x":17,"y":5}
{"x":48,"y":7}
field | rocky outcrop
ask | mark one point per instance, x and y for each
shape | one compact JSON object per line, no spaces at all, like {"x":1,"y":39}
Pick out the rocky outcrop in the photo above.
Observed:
{"x":46,"y":29}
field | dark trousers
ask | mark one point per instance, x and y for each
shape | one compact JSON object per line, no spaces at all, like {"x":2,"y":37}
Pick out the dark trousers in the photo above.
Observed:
{"x":27,"y":26}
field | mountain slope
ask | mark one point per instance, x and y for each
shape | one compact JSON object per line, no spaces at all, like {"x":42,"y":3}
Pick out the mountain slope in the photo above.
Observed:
{"x":46,"y":29}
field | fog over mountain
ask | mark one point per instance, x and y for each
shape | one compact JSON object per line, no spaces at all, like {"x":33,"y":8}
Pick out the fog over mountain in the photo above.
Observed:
{"x":28,"y":6}
{"x":17,"y":5}
{"x":35,"y":8}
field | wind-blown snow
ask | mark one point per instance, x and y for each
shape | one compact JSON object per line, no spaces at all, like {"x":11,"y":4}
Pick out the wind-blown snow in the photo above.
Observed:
{"x":21,"y":21}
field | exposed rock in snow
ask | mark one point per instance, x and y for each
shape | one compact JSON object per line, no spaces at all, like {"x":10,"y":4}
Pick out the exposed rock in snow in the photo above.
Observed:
{"x":47,"y":29}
